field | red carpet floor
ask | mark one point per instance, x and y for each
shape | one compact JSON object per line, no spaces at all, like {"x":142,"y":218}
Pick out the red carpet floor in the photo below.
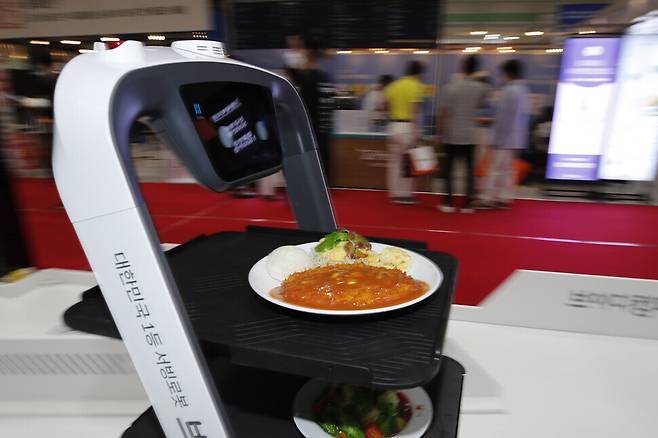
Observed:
{"x":602,"y":239}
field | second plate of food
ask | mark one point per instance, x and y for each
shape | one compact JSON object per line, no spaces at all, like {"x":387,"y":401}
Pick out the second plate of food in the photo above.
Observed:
{"x":349,"y":289}
{"x":322,"y":410}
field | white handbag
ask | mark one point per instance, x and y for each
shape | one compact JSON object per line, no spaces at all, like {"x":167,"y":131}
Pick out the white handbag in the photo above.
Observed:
{"x":422,"y":160}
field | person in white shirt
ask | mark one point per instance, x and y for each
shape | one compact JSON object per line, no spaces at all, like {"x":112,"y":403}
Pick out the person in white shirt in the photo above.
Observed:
{"x":510,"y":136}
{"x":457,"y":123}
{"x":375,"y":102}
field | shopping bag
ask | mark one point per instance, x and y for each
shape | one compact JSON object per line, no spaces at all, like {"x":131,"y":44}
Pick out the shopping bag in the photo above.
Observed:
{"x":521,"y":169}
{"x":483,"y":165}
{"x":422,"y":160}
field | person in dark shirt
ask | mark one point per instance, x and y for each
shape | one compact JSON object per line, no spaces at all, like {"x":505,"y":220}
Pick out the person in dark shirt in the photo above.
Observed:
{"x":317,"y":90}
{"x":13,"y":249}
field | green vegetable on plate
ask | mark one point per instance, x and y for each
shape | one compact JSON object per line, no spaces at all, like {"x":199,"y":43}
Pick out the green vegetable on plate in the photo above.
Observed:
{"x":331,"y":240}
{"x":356,"y":246}
{"x":331,"y":428}
{"x":348,"y":411}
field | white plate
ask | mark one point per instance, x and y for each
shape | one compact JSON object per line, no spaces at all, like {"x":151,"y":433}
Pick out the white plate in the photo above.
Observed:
{"x":422,"y":268}
{"x":421,"y":406}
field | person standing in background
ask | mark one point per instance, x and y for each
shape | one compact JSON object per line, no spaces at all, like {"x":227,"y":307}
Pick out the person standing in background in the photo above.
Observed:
{"x":375,"y":103}
{"x":14,"y":254}
{"x":403,"y":98}
{"x":295,"y":55}
{"x":267,"y":186}
{"x":317,"y":91}
{"x":510,"y":135}
{"x":457,"y":124}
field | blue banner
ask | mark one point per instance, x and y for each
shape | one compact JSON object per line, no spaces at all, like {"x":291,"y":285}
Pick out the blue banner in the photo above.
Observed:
{"x":569,"y":15}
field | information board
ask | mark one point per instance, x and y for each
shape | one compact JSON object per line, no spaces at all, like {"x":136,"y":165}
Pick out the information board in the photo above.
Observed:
{"x":51,"y":18}
{"x":631,"y":142}
{"x":582,"y":102}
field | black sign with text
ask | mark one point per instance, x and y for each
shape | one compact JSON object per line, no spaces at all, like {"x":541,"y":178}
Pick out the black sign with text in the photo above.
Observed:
{"x":337,"y":23}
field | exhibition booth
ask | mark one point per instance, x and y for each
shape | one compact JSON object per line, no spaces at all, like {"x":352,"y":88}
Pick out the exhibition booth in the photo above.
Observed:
{"x":168,"y":310}
{"x":541,"y":346}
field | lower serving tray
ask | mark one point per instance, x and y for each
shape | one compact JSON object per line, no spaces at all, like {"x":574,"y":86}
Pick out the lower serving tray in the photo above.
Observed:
{"x":259,"y":403}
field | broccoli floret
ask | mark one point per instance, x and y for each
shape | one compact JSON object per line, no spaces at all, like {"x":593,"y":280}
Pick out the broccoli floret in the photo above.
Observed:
{"x":352,"y":431}
{"x":331,"y":428}
{"x":399,"y":423}
{"x":370,"y":416}
{"x":388,"y":401}
{"x":348,"y":423}
{"x":386,"y":424}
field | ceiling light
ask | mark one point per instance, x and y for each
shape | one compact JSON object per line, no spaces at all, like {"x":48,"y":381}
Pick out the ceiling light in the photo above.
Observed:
{"x":421,"y":52}
{"x":479,"y":32}
{"x":534,"y":33}
{"x":492,"y":36}
{"x":586,"y":32}
{"x":71,"y":42}
{"x":505,"y":48}
{"x":382,"y":51}
{"x":408,"y":50}
{"x":507,"y":51}
{"x":507,"y":38}
{"x":110,"y":39}
{"x":554,"y":50}
{"x":472,"y":49}
{"x":156,"y":37}
{"x":343,"y":52}
{"x":85,"y":51}
{"x":40,"y":42}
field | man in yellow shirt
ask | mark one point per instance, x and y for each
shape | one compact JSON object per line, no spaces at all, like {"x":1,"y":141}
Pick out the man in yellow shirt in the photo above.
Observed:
{"x":403,"y":98}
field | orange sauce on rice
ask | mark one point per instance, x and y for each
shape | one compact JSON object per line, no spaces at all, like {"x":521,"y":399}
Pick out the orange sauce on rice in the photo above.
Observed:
{"x":349,"y":287}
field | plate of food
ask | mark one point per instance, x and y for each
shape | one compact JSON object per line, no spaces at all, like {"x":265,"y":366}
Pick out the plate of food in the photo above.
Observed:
{"x":323,"y":410}
{"x":344,"y":274}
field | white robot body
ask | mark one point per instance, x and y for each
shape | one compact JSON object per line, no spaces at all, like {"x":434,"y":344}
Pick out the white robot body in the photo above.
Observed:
{"x":96,"y":102}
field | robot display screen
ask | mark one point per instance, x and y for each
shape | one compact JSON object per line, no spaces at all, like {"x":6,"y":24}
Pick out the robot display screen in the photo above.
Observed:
{"x":236,"y":124}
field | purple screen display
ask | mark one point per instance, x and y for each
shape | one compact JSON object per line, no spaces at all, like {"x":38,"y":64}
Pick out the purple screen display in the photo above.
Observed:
{"x":587,"y":76}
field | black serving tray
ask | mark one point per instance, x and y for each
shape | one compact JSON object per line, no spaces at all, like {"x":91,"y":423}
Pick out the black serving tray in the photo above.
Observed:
{"x":259,"y":403}
{"x":399,"y":349}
